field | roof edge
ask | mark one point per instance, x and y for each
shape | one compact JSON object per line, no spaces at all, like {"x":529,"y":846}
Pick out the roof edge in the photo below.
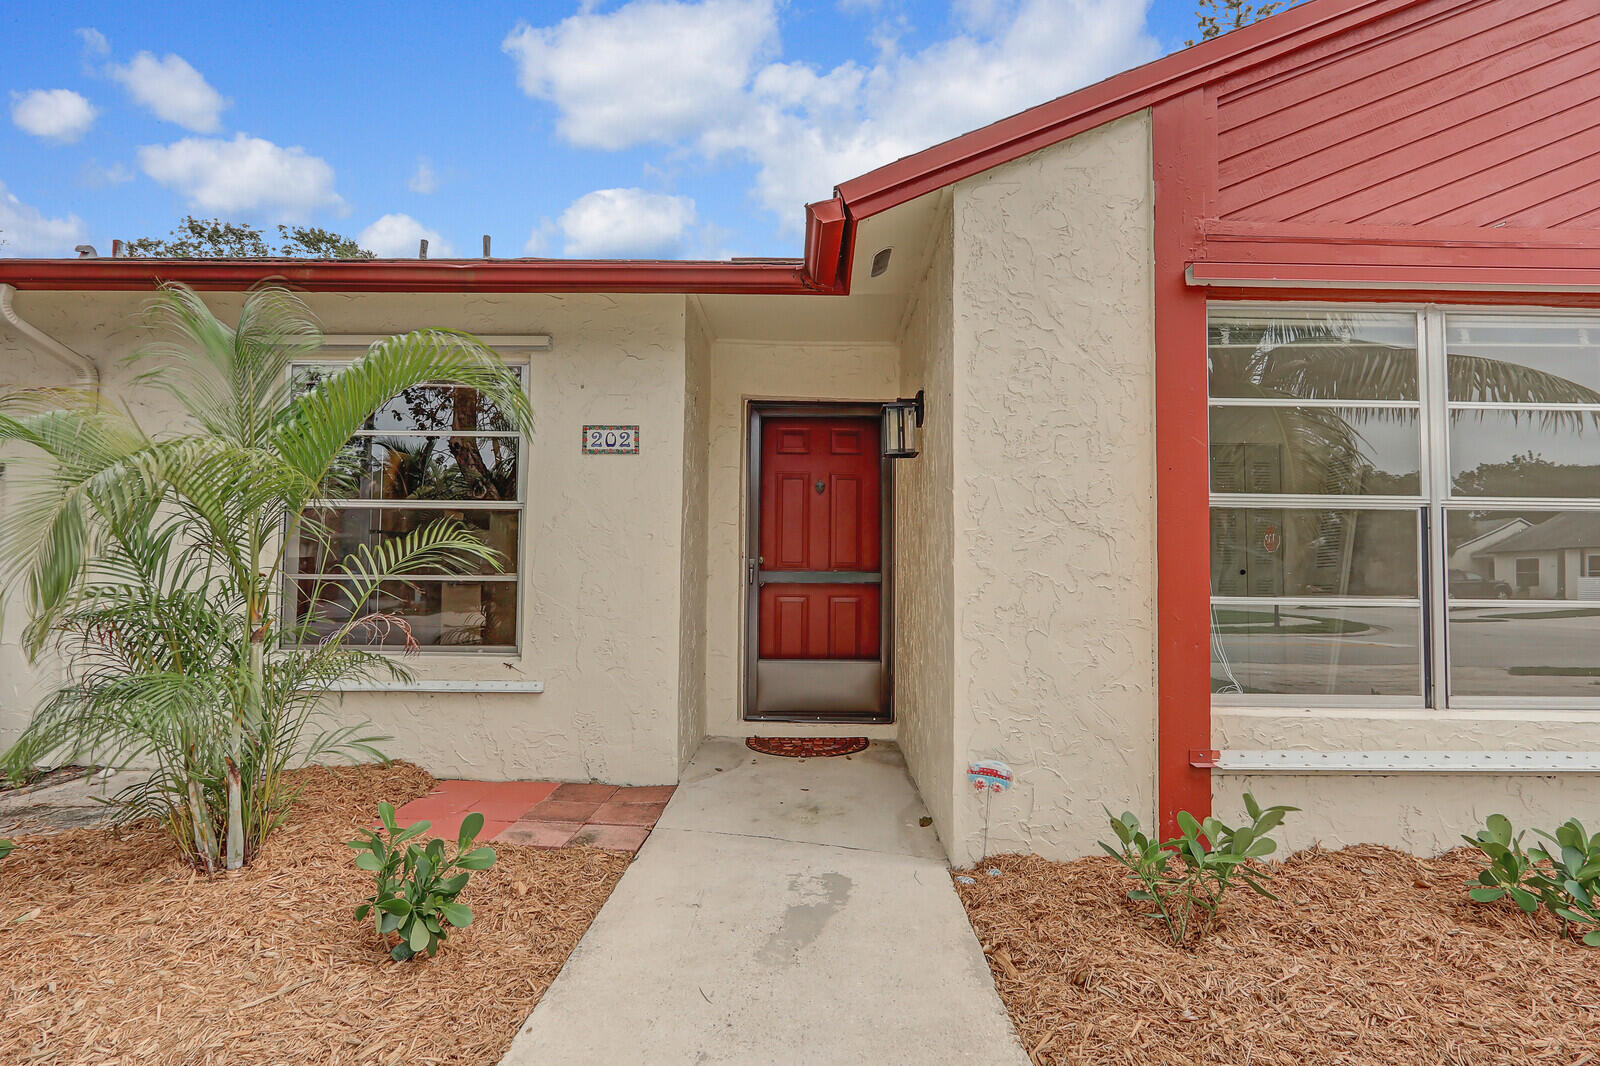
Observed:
{"x":778,"y":277}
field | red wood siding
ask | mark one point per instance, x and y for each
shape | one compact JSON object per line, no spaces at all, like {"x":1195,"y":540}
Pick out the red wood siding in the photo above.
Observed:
{"x":1448,"y":114}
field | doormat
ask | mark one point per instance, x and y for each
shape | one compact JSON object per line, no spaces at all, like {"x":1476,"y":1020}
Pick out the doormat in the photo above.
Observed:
{"x":806,"y":747}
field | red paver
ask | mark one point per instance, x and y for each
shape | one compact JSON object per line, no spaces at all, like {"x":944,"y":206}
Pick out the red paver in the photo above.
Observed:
{"x":538,"y":834}
{"x":614,"y":813}
{"x":627,"y":838}
{"x":558,"y":810}
{"x":596,"y":794}
{"x":644,"y":794}
{"x":542,"y":814}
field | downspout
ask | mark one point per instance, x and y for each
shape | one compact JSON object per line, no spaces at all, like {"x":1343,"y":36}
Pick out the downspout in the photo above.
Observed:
{"x":88,"y":373}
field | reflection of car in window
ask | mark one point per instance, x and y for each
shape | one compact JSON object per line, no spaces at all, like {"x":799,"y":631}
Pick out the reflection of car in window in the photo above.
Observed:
{"x":1466,"y":585}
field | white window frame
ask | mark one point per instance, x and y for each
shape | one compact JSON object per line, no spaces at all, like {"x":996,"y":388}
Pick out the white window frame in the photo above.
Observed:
{"x":1435,"y":407}
{"x":339,"y":351}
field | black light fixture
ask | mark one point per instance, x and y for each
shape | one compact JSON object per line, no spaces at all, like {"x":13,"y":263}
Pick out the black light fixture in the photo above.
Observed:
{"x":901,"y":420}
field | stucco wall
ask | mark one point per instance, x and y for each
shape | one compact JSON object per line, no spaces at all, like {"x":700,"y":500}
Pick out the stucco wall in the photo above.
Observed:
{"x":1054,"y":490}
{"x":696,"y":455}
{"x":602,"y":549}
{"x":1420,"y":812}
{"x":925,"y":545}
{"x":743,"y":371}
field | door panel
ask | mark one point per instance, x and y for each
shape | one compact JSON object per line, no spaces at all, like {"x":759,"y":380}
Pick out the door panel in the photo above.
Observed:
{"x":820,"y":512}
{"x":816,"y":621}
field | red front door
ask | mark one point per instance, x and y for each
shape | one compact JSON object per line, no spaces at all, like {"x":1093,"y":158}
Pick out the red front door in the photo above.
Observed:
{"x":821,"y":539}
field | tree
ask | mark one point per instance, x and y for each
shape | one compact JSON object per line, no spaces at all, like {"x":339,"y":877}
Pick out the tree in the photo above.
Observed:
{"x":1217,"y":17}
{"x":154,"y":564}
{"x":212,"y":238}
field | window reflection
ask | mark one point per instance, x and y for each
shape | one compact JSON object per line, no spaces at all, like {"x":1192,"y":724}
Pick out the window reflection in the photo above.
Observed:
{"x":1308,"y":649}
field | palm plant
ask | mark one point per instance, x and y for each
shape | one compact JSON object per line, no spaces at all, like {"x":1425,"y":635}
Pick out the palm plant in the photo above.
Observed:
{"x":154,"y":565}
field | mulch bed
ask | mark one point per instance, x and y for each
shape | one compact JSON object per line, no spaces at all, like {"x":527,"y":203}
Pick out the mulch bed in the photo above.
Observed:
{"x":1373,"y":956}
{"x":807,"y":747}
{"x":129,"y":957}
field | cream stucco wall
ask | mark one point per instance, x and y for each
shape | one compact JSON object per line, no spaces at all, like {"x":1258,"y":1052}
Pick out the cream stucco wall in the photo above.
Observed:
{"x":741,"y":372}
{"x":1054,"y":490}
{"x":696,"y":455}
{"x":1423,"y":813}
{"x":924,"y":520}
{"x":603,"y":535}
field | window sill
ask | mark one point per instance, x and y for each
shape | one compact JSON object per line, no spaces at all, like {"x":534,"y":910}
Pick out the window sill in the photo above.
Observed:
{"x":1246,"y":761}
{"x":518,"y":687}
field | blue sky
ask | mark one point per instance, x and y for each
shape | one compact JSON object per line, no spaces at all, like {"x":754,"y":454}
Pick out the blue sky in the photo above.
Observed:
{"x":691,"y":129}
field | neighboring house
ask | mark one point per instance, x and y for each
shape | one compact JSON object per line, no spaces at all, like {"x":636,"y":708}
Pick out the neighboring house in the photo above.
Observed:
{"x":1558,"y":559}
{"x":1317,"y":221}
{"x":1474,"y":554}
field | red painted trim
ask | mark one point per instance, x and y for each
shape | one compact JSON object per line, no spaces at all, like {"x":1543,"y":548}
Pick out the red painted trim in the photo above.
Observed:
{"x":1408,"y":296}
{"x":778,"y":276}
{"x":827,"y":225}
{"x":1179,"y":131}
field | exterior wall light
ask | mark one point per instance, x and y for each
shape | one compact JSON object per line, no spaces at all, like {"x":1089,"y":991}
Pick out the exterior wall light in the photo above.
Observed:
{"x":901,"y":420}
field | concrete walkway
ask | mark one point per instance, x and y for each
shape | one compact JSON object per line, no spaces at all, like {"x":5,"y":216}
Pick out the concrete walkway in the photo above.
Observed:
{"x":784,"y":911}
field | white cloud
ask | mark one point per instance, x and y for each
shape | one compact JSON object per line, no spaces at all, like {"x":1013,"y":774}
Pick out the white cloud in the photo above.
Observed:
{"x":425,"y":180}
{"x":396,"y":236}
{"x":172,"y":90}
{"x":805,"y":128}
{"x":94,"y":42}
{"x":94,"y":176}
{"x":25,"y":231}
{"x":626,"y":223}
{"x":652,"y":70}
{"x":54,"y":114}
{"x":244,"y":174}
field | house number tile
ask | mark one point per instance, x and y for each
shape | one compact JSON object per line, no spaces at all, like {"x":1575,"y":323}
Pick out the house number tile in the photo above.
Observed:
{"x":611,"y":440}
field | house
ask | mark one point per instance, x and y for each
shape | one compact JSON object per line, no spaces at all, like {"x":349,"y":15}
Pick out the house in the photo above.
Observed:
{"x":1558,"y":559}
{"x":1344,"y":254}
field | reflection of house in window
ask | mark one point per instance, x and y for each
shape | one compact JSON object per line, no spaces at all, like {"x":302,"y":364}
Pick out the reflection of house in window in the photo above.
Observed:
{"x":1553,"y":560}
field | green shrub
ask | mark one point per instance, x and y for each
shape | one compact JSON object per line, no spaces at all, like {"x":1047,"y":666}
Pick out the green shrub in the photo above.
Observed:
{"x":1185,"y":878}
{"x":5,"y":848}
{"x":414,"y":897}
{"x":1562,"y":875}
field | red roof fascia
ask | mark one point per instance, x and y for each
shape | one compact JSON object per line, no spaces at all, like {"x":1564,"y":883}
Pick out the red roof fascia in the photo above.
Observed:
{"x":827,"y":238}
{"x":1278,"y":254}
{"x":1123,"y":94}
{"x":415,"y":275}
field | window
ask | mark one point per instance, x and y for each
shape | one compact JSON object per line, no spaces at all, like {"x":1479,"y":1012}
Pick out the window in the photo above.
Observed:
{"x":1593,"y":568}
{"x":435,"y":451}
{"x":1382,"y":482}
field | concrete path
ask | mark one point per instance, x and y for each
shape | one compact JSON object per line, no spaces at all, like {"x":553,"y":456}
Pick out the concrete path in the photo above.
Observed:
{"x":784,"y":911}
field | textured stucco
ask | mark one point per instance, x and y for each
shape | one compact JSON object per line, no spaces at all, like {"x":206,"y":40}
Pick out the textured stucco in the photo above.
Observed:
{"x":740,"y":372}
{"x":1422,"y":813}
{"x":1054,"y":490}
{"x":925,"y":544}
{"x":696,"y":454}
{"x":601,"y":617}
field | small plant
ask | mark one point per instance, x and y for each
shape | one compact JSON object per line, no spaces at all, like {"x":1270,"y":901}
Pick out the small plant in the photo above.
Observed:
{"x":5,"y":848}
{"x":1185,"y":878}
{"x":1562,"y":875}
{"x":416,"y":891}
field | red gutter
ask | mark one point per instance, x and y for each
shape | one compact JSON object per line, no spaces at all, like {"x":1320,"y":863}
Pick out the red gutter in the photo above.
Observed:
{"x":779,"y":276}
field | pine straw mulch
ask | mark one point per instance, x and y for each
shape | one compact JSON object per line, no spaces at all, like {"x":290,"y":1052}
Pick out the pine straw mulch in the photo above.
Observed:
{"x":131,"y":958}
{"x":1372,"y":957}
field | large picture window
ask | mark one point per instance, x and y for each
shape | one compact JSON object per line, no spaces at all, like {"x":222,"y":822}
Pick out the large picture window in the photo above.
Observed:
{"x":435,"y":451}
{"x":1404,"y":504}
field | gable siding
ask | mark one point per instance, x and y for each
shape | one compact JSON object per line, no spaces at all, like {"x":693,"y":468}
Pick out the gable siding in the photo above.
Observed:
{"x":1449,"y":114}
